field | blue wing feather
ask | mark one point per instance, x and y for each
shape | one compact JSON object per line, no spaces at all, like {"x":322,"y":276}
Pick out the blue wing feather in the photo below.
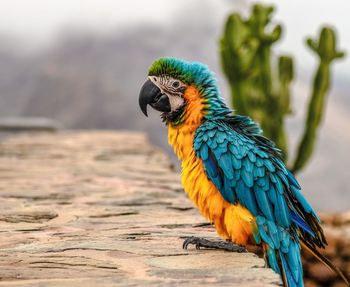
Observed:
{"x":248,"y":173}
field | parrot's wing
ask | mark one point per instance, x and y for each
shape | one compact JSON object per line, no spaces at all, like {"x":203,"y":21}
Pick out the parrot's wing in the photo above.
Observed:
{"x":246,"y":170}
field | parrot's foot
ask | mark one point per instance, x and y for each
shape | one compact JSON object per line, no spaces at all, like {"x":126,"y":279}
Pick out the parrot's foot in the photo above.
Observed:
{"x":223,"y":245}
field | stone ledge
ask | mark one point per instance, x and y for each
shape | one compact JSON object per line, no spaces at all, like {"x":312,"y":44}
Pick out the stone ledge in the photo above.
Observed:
{"x":104,"y":209}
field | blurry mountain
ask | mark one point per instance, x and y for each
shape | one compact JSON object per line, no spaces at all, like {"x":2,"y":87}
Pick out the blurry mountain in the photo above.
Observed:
{"x":89,"y":81}
{"x":92,"y":81}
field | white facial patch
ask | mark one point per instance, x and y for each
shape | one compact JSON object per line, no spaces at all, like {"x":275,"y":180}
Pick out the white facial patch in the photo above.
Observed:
{"x":175,"y":102}
{"x":165,"y":84}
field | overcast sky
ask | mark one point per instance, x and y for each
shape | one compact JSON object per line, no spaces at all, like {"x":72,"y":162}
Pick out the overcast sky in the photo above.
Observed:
{"x":37,"y":22}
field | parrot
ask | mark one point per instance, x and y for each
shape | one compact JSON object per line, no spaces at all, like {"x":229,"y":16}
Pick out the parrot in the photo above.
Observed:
{"x":232,"y":173}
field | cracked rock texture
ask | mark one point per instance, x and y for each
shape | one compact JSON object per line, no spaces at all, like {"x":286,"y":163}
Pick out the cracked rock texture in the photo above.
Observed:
{"x":104,"y":209}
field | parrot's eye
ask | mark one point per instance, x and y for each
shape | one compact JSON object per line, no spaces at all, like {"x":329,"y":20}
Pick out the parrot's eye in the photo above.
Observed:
{"x":176,"y":84}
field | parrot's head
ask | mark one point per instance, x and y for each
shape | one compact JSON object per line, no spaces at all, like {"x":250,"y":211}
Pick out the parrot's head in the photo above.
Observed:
{"x":178,"y":88}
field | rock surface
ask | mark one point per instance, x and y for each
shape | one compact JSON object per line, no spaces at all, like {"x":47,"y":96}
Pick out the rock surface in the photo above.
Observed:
{"x":104,"y":209}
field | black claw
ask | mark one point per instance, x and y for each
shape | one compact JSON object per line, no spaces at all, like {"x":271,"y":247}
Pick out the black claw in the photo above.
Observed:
{"x":201,"y":242}
{"x":187,"y":241}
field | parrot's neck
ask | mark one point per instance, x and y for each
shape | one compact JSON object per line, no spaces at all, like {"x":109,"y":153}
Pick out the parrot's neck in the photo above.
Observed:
{"x":181,"y":136}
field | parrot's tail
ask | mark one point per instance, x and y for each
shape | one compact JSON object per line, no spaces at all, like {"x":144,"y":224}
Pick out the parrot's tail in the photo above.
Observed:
{"x":287,"y":262}
{"x":311,"y":249}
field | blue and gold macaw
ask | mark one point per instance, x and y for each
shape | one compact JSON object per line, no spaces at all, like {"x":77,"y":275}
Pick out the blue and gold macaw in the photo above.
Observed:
{"x":233,"y":174}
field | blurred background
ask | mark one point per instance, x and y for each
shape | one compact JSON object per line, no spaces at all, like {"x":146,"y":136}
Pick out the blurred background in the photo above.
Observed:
{"x":81,"y":63}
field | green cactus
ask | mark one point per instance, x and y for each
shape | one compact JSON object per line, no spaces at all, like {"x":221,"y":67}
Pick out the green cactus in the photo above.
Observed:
{"x":326,"y":50}
{"x":258,"y":91}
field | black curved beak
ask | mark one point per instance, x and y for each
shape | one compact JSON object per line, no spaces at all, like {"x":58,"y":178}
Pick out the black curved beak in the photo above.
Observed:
{"x":151,"y":95}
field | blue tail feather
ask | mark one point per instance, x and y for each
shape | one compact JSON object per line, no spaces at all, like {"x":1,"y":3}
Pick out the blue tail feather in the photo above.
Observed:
{"x":300,"y":222}
{"x":288,"y":264}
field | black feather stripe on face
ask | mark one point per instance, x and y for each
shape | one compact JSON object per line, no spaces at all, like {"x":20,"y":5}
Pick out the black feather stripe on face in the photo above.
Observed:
{"x":175,"y":117}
